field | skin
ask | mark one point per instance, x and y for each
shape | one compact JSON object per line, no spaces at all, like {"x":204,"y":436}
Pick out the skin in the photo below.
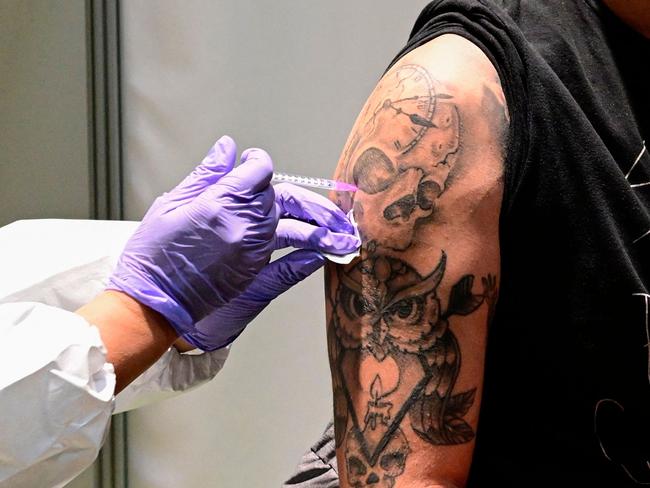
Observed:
{"x":135,"y":336}
{"x":407,"y":321}
{"x":635,"y":13}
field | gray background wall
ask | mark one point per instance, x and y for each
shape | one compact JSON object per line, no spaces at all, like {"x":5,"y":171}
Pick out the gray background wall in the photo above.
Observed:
{"x":289,"y":76}
{"x":43,"y":90}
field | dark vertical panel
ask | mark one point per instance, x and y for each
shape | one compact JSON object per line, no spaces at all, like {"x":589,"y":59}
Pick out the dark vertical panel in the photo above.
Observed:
{"x":104,"y":108}
{"x":105,"y":166}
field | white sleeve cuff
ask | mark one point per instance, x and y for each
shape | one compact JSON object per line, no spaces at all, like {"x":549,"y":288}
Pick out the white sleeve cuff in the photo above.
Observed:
{"x":56,"y":394}
{"x":172,"y":374}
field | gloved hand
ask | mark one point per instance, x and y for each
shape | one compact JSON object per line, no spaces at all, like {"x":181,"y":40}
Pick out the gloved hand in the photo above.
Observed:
{"x":201,"y":244}
{"x":299,"y":210}
{"x":224,"y":325}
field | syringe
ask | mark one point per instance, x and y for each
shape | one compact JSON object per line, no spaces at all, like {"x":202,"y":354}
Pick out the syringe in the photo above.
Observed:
{"x":312,"y":182}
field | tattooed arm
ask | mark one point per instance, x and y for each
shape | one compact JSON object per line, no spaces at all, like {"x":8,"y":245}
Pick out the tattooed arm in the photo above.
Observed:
{"x":407,"y":320}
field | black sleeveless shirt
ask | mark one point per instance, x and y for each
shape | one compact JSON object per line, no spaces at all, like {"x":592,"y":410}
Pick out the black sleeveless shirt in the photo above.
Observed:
{"x":567,"y":393}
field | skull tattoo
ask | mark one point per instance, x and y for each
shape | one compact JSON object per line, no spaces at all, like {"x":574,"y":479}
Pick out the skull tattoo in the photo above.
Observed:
{"x":389,"y":465}
{"x":404,"y":192}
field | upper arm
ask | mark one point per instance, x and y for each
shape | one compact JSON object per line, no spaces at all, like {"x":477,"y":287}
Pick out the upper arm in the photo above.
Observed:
{"x":407,"y":321}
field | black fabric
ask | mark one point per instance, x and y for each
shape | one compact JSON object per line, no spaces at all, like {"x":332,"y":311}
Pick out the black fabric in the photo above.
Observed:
{"x":567,"y":395}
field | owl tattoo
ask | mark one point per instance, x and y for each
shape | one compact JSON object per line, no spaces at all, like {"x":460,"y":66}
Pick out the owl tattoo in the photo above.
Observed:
{"x":383,"y":303}
{"x":383,"y":307}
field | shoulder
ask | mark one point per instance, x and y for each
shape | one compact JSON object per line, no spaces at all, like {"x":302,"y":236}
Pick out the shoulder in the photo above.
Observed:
{"x":437,"y":120}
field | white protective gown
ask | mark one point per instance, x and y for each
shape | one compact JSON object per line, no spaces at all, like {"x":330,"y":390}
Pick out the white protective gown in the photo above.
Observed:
{"x":56,"y":388}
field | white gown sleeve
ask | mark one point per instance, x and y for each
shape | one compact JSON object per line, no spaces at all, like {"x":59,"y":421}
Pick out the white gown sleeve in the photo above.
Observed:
{"x":50,"y":355}
{"x":56,"y":395}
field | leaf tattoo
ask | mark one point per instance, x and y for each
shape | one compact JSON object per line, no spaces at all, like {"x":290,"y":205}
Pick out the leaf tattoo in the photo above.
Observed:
{"x":461,"y":300}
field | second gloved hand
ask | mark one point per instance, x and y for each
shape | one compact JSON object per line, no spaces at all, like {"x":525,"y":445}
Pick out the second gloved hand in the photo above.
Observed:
{"x":224,"y":325}
{"x":308,"y":221}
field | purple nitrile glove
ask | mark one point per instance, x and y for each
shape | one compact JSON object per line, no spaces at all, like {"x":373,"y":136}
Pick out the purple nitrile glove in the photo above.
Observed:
{"x":224,"y":325}
{"x":311,"y":221}
{"x":202,"y":243}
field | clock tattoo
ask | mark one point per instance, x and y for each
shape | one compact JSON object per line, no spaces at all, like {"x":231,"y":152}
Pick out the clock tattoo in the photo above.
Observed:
{"x":408,"y":93}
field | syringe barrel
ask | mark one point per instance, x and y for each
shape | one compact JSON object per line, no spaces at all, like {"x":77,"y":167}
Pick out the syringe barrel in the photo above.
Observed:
{"x":304,"y":181}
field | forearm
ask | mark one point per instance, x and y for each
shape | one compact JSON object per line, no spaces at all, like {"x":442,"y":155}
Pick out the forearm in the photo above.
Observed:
{"x":135,"y":336}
